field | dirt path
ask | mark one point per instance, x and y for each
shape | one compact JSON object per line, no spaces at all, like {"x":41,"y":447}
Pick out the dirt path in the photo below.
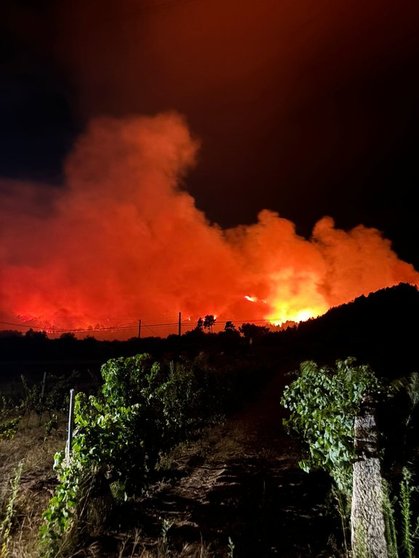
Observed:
{"x":241,"y":481}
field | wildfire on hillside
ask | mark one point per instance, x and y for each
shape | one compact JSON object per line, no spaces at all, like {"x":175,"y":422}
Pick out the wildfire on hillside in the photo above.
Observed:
{"x":123,"y":240}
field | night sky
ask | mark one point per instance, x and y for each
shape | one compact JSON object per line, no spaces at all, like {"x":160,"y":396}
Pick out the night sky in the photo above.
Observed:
{"x":306,"y":108}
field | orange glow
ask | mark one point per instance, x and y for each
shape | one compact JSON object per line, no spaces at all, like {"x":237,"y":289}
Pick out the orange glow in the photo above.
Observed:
{"x":121,"y":241}
{"x":283,"y":312}
{"x":295,"y":310}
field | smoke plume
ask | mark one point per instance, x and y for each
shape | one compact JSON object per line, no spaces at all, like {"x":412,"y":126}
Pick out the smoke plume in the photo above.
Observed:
{"x":123,"y":240}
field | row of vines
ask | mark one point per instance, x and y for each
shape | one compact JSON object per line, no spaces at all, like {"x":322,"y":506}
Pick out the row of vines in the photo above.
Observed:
{"x":143,"y":409}
{"x":324,"y":403}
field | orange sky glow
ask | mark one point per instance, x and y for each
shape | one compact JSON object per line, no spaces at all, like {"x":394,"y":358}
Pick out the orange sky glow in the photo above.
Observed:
{"x":217,"y":160}
{"x":124,"y":240}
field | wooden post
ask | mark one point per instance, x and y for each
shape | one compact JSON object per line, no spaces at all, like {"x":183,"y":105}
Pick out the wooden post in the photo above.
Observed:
{"x":367,"y":517}
{"x":180,"y":324}
{"x":70,"y":426}
{"x":44,"y":379}
{"x":139,"y":329}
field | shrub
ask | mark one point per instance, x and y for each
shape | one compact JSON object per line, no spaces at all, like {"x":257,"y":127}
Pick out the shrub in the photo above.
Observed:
{"x":143,"y":409}
{"x":323,"y":403}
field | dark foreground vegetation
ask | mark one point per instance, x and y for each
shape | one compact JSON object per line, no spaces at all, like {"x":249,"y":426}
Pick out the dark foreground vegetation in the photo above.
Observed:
{"x":179,"y":447}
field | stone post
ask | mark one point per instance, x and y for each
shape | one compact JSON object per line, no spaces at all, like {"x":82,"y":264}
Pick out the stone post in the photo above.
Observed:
{"x":367,"y":518}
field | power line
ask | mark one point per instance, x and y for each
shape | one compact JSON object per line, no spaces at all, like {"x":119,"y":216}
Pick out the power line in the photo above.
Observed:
{"x":15,"y":325}
{"x":131,"y":325}
{"x":54,"y":329}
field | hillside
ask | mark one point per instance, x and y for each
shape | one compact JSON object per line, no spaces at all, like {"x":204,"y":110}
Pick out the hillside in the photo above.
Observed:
{"x":381,"y":328}
{"x":234,"y":488}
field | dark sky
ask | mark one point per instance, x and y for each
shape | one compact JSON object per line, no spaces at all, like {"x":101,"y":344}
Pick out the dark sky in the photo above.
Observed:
{"x":308,"y":108}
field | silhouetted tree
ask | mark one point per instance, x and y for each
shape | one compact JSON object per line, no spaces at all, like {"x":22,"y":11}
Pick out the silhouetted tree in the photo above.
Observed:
{"x":251,"y":331}
{"x":36,"y":335}
{"x":7,"y":333}
{"x":209,"y":322}
{"x":68,"y":336}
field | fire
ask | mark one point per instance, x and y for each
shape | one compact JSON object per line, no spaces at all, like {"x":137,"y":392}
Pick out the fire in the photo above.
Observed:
{"x":296,"y":297}
{"x":291,"y":309}
{"x":283,"y":313}
{"x":122,"y":242}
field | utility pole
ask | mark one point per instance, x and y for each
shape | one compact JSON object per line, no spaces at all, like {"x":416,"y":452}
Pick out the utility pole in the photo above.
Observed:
{"x":139,"y":329}
{"x":180,"y":324}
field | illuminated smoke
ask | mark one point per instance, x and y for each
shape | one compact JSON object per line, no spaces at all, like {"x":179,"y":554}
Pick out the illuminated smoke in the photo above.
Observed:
{"x":124,"y":240}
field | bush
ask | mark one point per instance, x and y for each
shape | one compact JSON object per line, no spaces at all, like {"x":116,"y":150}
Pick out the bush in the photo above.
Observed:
{"x":323,"y":403}
{"x":144,"y":408}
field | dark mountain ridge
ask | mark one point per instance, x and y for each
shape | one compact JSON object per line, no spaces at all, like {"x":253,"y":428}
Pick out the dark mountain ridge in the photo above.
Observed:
{"x":381,"y":329}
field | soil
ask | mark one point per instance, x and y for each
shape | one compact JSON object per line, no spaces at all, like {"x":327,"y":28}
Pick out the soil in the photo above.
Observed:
{"x":238,"y":486}
{"x":236,"y":491}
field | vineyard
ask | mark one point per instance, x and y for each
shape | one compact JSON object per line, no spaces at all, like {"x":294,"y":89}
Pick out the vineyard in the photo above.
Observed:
{"x":206,"y":452}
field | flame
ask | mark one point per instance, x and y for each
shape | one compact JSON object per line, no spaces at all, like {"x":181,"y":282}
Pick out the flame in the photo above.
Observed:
{"x":290,"y":309}
{"x":296,"y":297}
{"x":121,"y":241}
{"x":284,"y":313}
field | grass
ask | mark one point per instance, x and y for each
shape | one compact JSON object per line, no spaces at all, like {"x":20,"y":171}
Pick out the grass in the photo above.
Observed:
{"x":134,"y":547}
{"x":34,"y":444}
{"x":34,"y":449}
